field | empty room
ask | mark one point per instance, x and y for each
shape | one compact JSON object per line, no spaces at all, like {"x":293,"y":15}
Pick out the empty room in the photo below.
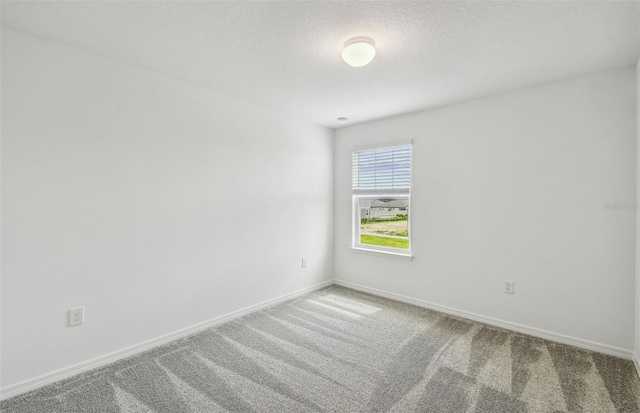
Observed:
{"x":319,"y":206}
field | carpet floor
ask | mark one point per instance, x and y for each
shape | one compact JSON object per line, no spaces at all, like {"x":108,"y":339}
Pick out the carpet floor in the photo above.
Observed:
{"x":340,"y":350}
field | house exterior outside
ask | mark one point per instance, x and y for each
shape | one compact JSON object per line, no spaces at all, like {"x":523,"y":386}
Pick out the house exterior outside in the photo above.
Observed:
{"x":383,"y":208}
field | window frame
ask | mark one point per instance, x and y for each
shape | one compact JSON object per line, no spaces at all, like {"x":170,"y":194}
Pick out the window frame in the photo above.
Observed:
{"x":358,"y":194}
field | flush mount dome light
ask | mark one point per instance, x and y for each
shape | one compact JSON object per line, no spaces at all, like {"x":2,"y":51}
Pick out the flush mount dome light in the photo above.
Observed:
{"x":359,"y":51}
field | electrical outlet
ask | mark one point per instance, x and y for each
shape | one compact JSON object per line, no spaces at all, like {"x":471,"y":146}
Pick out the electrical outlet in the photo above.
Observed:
{"x":304,"y":263}
{"x":509,"y":286}
{"x":76,"y":316}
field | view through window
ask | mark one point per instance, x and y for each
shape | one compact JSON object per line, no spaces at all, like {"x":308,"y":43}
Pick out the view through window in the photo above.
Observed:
{"x":381,"y":184}
{"x":384,"y":222}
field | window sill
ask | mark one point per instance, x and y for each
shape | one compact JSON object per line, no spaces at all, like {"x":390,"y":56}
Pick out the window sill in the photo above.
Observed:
{"x":388,"y":254}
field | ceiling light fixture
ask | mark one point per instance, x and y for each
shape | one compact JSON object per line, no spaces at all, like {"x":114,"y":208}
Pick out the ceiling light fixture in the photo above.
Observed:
{"x":359,"y":51}
{"x":342,"y":120}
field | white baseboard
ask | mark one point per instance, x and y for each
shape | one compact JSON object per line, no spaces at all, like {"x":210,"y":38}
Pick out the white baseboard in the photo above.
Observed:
{"x":54,"y":376}
{"x":549,"y":335}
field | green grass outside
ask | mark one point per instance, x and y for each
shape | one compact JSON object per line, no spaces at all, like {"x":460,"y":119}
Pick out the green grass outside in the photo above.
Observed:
{"x":384,"y":241}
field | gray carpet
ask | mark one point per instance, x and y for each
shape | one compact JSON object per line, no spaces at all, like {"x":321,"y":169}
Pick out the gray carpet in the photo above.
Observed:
{"x":339,"y":350}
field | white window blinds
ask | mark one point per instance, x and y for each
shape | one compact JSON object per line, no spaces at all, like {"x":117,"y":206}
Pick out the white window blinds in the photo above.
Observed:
{"x":384,"y":169}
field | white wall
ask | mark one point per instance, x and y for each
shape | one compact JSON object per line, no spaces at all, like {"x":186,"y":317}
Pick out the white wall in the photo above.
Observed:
{"x":637,"y":313}
{"x":134,"y":195}
{"x":514,"y":187}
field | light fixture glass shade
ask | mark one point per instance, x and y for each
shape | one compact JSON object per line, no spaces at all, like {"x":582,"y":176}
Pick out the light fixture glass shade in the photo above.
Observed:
{"x":359,"y":51}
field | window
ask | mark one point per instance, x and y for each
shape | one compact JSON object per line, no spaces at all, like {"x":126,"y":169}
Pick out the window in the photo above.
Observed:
{"x":381,"y":185}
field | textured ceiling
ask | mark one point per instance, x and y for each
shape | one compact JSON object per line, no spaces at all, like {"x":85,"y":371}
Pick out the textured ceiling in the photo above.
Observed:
{"x":286,"y":55}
